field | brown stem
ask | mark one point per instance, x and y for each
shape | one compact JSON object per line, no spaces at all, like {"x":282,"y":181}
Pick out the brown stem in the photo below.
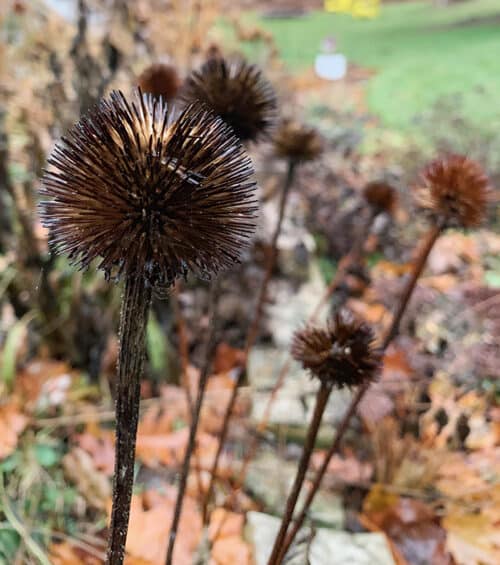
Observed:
{"x":259,"y":309}
{"x":220,"y":446}
{"x":321,"y":401}
{"x":195,"y":418}
{"x":253,"y":331}
{"x":133,"y":321}
{"x":418,"y":266}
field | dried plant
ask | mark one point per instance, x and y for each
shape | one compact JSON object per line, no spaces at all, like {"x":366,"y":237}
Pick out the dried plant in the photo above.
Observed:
{"x":296,"y":141}
{"x":150,"y":197}
{"x":381,"y":196}
{"x":236,"y":91}
{"x":160,"y":79}
{"x":340,"y":354}
{"x":455,"y":191}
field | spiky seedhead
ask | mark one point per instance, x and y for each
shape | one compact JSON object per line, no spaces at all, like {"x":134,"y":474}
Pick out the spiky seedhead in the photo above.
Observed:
{"x":160,"y":79}
{"x":455,"y":191}
{"x":381,"y":196}
{"x":147,"y":194}
{"x":236,"y":91}
{"x":297,"y":142}
{"x":342,"y":353}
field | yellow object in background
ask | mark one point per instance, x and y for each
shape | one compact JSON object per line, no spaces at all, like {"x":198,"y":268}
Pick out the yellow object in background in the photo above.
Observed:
{"x":357,"y":8}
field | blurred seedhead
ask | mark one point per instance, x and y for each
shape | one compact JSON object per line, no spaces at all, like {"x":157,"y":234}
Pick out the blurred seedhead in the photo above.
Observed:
{"x":381,"y":196}
{"x":297,"y":142}
{"x":455,"y":191}
{"x":238,"y":92}
{"x":160,"y":80}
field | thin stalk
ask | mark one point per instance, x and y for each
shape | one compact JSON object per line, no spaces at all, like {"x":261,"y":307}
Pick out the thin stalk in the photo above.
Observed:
{"x":259,"y":309}
{"x":319,"y":409}
{"x":253,"y":331}
{"x":195,"y":418}
{"x":134,"y":315}
{"x":418,"y":266}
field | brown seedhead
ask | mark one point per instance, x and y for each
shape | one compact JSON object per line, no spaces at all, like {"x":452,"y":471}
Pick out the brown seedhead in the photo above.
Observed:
{"x":297,"y":142}
{"x":381,"y":196}
{"x":341,"y":353}
{"x":160,"y":79}
{"x":455,"y":191}
{"x":149,"y":195}
{"x":236,"y":91}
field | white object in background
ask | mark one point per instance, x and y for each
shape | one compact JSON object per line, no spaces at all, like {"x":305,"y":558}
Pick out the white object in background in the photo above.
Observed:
{"x":331,"y":66}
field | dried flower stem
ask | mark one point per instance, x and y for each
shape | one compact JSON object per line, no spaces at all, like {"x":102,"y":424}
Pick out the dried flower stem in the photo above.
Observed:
{"x":195,"y":418}
{"x":273,"y":254}
{"x":319,"y":409}
{"x":419,"y":264}
{"x":253,"y":331}
{"x":133,"y":321}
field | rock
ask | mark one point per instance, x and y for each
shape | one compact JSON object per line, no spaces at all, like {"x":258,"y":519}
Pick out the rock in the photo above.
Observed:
{"x":327,"y":547}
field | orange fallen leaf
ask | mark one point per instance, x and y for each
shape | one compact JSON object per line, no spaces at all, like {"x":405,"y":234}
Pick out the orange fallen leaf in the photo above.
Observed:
{"x":12,"y":424}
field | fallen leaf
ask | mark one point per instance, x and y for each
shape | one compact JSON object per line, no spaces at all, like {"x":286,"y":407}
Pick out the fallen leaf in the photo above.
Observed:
{"x":100,"y":444}
{"x":12,"y":424}
{"x":228,"y":358}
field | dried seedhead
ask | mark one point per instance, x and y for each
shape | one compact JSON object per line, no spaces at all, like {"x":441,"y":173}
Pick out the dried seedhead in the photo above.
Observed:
{"x":237,"y":92}
{"x":455,"y":191}
{"x":342,"y":353}
{"x":149,"y":195}
{"x":298,"y":142}
{"x":381,"y":196}
{"x":160,"y":79}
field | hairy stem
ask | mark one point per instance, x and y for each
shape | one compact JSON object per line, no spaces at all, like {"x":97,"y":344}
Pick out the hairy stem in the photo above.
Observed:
{"x":133,"y":321}
{"x":195,"y":418}
{"x":418,"y":266}
{"x":321,"y":401}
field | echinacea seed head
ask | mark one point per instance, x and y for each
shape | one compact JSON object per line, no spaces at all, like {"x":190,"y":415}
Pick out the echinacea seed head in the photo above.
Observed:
{"x":455,"y":191}
{"x":341,"y":353}
{"x":236,"y":91}
{"x":160,"y":79}
{"x":147,"y":194}
{"x":297,"y":142}
{"x":381,"y":196}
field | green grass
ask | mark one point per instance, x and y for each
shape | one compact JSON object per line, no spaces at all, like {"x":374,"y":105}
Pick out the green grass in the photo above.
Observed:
{"x":421,"y":53}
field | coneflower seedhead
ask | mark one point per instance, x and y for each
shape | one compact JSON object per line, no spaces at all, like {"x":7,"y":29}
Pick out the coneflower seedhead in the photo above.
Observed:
{"x":297,"y":142}
{"x":160,"y":79}
{"x":455,"y":191}
{"x":149,"y":195}
{"x":237,"y":92}
{"x":342,"y":353}
{"x":381,"y":196}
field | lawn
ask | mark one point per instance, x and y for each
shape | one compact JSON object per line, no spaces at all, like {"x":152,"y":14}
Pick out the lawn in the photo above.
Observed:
{"x":421,"y":54}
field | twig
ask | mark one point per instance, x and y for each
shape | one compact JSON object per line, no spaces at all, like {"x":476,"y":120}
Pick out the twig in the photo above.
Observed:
{"x":209,"y":355}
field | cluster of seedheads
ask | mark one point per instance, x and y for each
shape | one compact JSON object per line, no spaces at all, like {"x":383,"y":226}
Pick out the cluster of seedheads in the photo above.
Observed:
{"x":149,"y":194}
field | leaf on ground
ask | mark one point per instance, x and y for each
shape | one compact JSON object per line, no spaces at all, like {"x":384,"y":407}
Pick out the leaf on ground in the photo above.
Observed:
{"x":346,"y":469}
{"x":226,"y":534}
{"x":100,"y":444}
{"x":410,"y":524}
{"x":228,"y":358}
{"x":92,"y":484}
{"x":150,"y":520}
{"x":12,"y":424}
{"x":65,"y":553}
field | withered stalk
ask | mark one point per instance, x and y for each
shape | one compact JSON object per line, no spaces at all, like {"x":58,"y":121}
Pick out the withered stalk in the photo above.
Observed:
{"x":428,"y":243}
{"x":133,"y":321}
{"x":195,"y":418}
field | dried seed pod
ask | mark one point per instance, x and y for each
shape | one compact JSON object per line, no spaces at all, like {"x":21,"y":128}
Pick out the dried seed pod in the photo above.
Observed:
{"x":237,"y":92}
{"x":297,"y":142}
{"x":381,"y":196}
{"x":160,"y":79}
{"x":149,"y":195}
{"x":342,"y":353}
{"x":455,"y":191}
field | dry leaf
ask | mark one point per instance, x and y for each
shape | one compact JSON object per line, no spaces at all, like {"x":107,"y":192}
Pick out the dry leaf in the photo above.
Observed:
{"x":12,"y":424}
